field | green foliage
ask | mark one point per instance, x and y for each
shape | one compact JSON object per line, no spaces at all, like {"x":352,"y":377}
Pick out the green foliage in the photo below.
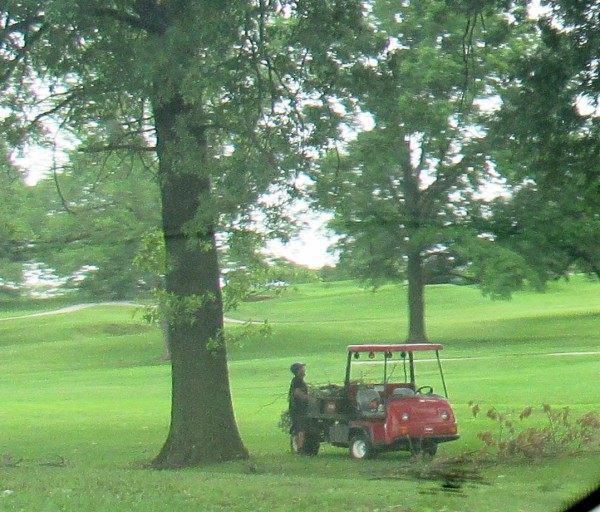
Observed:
{"x":243,"y":87}
{"x":16,"y":229}
{"x":285,"y":422}
{"x":176,"y":309}
{"x":84,"y":223}
{"x":151,"y":256}
{"x":247,"y":271}
{"x":247,"y":331}
{"x":404,"y":190}
{"x":266,"y":278}
{"x":545,"y":139}
{"x":334,"y":273}
{"x":499,"y":271}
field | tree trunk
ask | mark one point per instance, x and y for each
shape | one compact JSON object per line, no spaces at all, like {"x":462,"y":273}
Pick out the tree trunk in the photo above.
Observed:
{"x":164,"y":327}
{"x":203,"y":427}
{"x":416,"y":298}
{"x":416,"y":281}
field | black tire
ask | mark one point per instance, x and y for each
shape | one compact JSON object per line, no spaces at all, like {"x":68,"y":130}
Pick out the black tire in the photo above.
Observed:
{"x":430,"y":448}
{"x":312,"y":444}
{"x":361,"y":447}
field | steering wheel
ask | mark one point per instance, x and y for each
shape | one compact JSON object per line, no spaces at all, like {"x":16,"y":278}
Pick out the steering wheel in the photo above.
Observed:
{"x":424,"y":390}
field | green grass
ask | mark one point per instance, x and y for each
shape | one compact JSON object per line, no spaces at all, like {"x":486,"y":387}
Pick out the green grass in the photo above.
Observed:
{"x":90,"y":388}
{"x":12,"y":307}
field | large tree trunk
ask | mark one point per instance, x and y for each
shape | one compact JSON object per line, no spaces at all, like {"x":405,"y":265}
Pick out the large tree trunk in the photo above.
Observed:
{"x":416,"y":298}
{"x":416,"y":280}
{"x":203,"y":427}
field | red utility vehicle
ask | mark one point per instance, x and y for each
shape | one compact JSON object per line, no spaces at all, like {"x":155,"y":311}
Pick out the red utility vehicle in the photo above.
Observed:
{"x":380,"y":406}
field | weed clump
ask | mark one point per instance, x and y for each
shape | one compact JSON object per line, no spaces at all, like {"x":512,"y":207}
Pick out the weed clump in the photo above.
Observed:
{"x":555,"y":433}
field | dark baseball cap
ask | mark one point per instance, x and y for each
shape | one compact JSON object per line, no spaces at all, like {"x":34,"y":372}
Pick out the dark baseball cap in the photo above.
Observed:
{"x":295,"y":367}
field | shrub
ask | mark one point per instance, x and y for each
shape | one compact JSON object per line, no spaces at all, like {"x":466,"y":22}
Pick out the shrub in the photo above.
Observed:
{"x":558,"y":433}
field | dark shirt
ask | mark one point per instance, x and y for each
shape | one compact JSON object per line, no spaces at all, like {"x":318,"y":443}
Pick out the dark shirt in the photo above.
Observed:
{"x":298,"y":407}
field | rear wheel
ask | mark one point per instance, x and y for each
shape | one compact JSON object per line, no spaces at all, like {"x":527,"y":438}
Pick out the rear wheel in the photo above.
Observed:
{"x":312,"y":443}
{"x":361,"y":447}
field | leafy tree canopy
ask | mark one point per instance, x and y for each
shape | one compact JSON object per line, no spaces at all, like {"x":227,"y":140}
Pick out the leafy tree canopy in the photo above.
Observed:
{"x":546,"y":138}
{"x":218,"y":93}
{"x":406,"y":190}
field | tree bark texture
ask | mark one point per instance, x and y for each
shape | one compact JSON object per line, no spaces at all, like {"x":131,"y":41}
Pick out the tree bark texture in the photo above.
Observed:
{"x":416,"y":298}
{"x":416,"y":280}
{"x":203,"y":427}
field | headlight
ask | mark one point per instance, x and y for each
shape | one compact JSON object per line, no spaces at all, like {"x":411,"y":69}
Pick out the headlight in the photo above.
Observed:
{"x":405,"y":416}
{"x":444,"y":415}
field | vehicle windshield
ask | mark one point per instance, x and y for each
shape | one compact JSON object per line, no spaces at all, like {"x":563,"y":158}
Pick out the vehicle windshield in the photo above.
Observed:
{"x":380,"y":368}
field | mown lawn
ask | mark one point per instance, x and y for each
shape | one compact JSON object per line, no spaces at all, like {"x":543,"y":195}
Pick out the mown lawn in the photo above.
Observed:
{"x":85,"y":404}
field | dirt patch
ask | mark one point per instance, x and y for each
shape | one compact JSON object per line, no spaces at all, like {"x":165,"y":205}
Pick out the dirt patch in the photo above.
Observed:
{"x":446,"y":476}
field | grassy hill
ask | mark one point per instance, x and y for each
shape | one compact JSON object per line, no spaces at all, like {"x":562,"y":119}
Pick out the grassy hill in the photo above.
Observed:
{"x":315,"y":319}
{"x":85,"y":402}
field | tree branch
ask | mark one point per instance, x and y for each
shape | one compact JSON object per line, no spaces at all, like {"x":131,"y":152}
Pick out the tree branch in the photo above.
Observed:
{"x":118,"y":147}
{"x":63,"y":200}
{"x":150,"y":17}
{"x":29,"y":40}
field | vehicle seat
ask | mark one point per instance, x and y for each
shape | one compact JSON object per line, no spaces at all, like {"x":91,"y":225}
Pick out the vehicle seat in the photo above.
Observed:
{"x":366,"y":398}
{"x":402,"y":393}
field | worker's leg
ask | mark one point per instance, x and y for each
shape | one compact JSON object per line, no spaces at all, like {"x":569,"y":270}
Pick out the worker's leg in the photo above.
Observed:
{"x":300,"y":438}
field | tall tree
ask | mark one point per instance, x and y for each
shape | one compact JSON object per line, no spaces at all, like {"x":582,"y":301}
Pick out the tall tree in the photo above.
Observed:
{"x":90,"y":216}
{"x":14,"y":228}
{"x":216,"y":91}
{"x":547,"y":132}
{"x":404,"y":190}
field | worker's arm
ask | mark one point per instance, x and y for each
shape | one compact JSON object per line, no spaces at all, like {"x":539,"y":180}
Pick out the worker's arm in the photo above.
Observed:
{"x":301,"y":395}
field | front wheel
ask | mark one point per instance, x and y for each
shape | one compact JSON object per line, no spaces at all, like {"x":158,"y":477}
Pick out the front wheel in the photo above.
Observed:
{"x":361,"y":447}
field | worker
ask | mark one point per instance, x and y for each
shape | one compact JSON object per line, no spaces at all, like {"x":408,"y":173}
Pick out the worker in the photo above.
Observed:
{"x":298,"y":400}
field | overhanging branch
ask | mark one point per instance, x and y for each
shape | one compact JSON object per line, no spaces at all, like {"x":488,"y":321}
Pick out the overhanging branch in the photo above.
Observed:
{"x":150,"y":16}
{"x":118,"y":147}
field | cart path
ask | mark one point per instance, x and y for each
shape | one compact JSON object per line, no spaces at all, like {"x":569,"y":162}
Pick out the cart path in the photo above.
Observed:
{"x":78,"y":307}
{"x":69,"y":309}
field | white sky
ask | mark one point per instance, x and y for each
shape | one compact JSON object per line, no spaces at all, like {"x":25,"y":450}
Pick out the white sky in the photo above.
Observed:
{"x":309,"y":248}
